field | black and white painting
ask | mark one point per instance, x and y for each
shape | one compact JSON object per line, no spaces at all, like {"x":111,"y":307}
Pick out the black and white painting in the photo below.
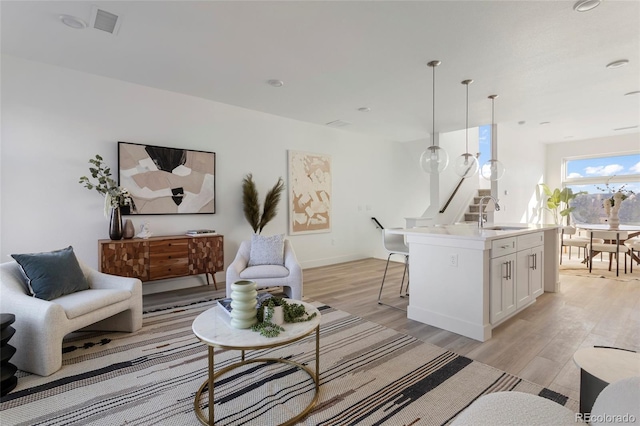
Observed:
{"x":165,"y":180}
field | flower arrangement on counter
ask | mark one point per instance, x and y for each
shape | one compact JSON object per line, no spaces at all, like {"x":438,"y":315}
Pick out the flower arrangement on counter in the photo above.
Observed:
{"x":114,"y":195}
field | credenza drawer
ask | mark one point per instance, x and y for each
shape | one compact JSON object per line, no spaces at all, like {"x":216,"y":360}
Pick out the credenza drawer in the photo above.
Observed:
{"x":169,"y":258}
{"x":169,"y":268}
{"x":160,"y":249}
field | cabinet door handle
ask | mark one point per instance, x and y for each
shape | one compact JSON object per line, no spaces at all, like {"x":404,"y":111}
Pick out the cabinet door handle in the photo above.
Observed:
{"x":508,"y":270}
{"x":504,"y":247}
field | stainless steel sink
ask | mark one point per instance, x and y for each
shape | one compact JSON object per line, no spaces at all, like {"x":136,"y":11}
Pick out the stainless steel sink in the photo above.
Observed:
{"x":505,"y":228}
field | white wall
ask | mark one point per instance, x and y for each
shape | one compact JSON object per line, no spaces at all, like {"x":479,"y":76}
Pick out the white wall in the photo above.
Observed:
{"x":55,"y":119}
{"x":524,"y":160}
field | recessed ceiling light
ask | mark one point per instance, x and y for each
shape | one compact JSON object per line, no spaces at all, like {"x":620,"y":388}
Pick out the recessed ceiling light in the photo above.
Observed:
{"x":618,"y":64}
{"x":276,"y":83}
{"x":635,"y":92}
{"x":73,"y":22}
{"x":364,"y":109}
{"x":338,"y":123}
{"x":585,"y":5}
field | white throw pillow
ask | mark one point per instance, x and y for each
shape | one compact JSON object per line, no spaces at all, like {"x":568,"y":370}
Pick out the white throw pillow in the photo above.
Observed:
{"x":266,"y":250}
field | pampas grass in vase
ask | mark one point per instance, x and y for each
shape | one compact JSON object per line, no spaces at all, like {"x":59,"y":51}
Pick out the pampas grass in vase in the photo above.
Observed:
{"x":251,"y":204}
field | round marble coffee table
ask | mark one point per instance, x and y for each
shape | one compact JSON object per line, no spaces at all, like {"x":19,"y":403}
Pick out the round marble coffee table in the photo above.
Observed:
{"x":600,"y":366}
{"x":213,"y":328}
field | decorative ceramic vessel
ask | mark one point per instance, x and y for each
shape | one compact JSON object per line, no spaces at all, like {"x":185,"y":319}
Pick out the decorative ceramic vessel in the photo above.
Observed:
{"x":243,"y":304}
{"x":614,"y":220}
{"x":115,"y":224}
{"x":129,"y":230}
{"x":278,"y":314}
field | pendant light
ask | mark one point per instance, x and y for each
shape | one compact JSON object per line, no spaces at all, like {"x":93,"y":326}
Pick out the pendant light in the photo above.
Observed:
{"x":493,"y":169}
{"x":434,"y":159}
{"x":466,"y":165}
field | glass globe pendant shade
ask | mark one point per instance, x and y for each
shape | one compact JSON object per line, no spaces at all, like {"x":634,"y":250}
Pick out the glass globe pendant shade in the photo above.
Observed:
{"x":434,"y":160}
{"x":466,"y":165}
{"x":492,"y":170}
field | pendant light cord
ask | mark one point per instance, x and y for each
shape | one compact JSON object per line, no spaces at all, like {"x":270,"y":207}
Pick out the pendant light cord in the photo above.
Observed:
{"x":433,"y":108}
{"x":493,"y":124}
{"x":433,"y":65}
{"x":467,"y":122}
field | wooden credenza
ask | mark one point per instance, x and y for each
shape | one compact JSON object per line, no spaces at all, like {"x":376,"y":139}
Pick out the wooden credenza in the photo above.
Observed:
{"x":158,"y":258}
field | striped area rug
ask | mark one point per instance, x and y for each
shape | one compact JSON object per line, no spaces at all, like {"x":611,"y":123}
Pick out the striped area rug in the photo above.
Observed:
{"x":369,"y":374}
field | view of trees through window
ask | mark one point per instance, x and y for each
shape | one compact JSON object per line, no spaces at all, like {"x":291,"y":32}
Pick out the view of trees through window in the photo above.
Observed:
{"x":600,"y":178}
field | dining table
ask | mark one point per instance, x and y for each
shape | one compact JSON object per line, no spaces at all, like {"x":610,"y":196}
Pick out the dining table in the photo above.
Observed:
{"x":632,"y":231}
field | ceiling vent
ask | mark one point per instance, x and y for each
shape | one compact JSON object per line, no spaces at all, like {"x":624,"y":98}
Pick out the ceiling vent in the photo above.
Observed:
{"x":338,"y":123}
{"x":105,"y":21}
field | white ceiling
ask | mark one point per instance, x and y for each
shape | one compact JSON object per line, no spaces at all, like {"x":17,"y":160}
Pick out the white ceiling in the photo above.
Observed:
{"x":545,"y":61}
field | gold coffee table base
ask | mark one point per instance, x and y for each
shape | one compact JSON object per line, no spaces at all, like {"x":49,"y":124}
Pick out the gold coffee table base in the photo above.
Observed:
{"x":292,"y":421}
{"x":212,"y":376}
{"x":213,"y":329}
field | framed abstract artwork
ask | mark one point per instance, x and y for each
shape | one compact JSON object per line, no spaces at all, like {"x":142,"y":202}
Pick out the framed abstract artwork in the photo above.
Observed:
{"x":309,"y":193}
{"x":165,"y":180}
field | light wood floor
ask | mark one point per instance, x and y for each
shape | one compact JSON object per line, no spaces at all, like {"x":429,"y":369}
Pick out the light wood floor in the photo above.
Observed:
{"x":537,"y":344}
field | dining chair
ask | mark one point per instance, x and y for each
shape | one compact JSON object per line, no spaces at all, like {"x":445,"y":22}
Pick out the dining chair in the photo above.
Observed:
{"x":570,"y":239}
{"x":614,"y":245}
{"x":394,"y":244}
{"x":632,"y":244}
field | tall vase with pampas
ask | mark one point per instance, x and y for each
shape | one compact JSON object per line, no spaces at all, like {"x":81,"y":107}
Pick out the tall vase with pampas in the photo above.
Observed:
{"x":252,"y":206}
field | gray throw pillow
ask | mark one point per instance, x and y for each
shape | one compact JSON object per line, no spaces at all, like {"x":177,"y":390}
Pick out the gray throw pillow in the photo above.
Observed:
{"x":52,"y":274}
{"x":266,"y":250}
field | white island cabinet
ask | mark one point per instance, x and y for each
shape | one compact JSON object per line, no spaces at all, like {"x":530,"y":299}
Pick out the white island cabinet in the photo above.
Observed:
{"x":468,"y":280}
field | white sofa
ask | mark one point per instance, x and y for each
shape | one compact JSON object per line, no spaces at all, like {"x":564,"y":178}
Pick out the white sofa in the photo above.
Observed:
{"x":111,"y":303}
{"x":287,"y":276}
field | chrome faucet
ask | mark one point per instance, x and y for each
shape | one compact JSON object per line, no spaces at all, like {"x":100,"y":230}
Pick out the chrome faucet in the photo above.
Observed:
{"x":481,"y":220}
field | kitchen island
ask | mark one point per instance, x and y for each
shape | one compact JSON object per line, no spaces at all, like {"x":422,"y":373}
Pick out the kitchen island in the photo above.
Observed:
{"x":468,"y":280}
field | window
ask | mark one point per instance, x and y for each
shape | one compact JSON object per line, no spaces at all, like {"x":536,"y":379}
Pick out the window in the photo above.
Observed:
{"x":600,"y":177}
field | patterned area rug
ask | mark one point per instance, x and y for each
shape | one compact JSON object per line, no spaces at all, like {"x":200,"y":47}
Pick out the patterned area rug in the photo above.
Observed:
{"x":600,"y":269}
{"x":369,"y":375}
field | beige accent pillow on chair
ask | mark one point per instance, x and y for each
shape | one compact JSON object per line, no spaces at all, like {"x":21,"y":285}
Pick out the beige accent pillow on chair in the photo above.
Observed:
{"x":266,"y":250}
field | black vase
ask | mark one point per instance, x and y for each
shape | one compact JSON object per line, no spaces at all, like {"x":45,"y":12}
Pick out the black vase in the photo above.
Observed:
{"x":115,"y":224}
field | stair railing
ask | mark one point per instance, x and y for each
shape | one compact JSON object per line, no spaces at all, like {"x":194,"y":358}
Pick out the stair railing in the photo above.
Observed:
{"x":378,"y":224}
{"x":453,"y":194}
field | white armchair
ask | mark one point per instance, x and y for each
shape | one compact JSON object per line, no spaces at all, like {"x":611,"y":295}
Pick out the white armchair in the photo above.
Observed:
{"x":111,"y":303}
{"x":287,"y":276}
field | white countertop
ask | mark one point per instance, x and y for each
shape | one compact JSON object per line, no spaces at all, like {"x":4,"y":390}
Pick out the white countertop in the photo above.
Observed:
{"x":472,"y":232}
